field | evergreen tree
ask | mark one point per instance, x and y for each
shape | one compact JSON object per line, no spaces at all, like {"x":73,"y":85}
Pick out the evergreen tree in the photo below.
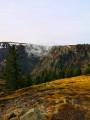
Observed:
{"x":45,"y":76}
{"x":27,"y":80}
{"x":37,"y":80}
{"x":68,"y":72}
{"x":61,"y":73}
{"x":77,"y":72}
{"x":87,"y":70}
{"x":12,"y":71}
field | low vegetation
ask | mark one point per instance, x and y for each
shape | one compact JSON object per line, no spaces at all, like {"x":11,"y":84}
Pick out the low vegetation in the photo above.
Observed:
{"x":49,"y":96}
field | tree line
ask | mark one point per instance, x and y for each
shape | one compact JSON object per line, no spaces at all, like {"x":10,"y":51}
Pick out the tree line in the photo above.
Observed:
{"x":47,"y":76}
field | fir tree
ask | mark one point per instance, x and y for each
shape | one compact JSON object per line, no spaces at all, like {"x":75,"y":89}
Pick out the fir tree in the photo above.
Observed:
{"x":12,"y":71}
{"x":37,"y":80}
{"x":87,"y":70}
{"x":27,"y":80}
{"x":68,"y":72}
{"x":77,"y":72}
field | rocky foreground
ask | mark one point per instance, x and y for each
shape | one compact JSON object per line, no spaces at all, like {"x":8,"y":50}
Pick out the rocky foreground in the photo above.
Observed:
{"x":64,"y":99}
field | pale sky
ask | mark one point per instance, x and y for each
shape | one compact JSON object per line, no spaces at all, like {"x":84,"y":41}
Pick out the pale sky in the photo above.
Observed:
{"x":45,"y":22}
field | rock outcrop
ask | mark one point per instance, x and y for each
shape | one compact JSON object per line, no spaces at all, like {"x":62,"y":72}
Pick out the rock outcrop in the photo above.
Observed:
{"x":33,"y":114}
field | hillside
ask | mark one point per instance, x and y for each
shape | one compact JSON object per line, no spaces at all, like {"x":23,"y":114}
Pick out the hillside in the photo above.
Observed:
{"x":36,"y":58}
{"x":60,"y":57}
{"x":46,"y":97}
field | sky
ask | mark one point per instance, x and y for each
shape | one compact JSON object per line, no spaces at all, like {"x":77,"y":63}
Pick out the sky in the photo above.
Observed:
{"x":45,"y":22}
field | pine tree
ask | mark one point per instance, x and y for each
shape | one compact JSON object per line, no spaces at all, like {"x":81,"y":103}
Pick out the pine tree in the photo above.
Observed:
{"x":12,"y":71}
{"x":27,"y":80}
{"x":77,"y":72}
{"x":68,"y":72}
{"x":87,"y":70}
{"x":37,"y":80}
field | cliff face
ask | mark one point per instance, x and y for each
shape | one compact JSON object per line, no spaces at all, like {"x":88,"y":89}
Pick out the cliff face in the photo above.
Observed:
{"x":59,"y":57}
{"x":36,"y":58}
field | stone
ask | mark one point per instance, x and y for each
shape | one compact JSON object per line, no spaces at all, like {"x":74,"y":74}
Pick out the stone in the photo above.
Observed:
{"x":56,"y":111}
{"x":33,"y":114}
{"x":66,"y":100}
{"x":19,"y":104}
{"x":74,"y":101}
{"x":57,"y":100}
{"x":41,"y":107}
{"x":9,"y":116}
{"x":14,"y":114}
{"x":40,"y":114}
{"x":15,"y":118}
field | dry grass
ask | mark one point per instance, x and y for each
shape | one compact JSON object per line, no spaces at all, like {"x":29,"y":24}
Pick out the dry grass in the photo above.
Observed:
{"x":52,"y":94}
{"x":75,"y":86}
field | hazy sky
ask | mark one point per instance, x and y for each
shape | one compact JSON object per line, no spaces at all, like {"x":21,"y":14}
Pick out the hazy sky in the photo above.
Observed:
{"x":47,"y":22}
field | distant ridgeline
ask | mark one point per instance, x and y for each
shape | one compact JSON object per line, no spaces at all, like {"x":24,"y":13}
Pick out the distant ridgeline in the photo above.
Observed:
{"x":54,"y":61}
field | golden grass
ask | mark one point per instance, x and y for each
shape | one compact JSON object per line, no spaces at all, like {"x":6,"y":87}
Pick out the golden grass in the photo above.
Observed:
{"x":69,"y":87}
{"x":52,"y":94}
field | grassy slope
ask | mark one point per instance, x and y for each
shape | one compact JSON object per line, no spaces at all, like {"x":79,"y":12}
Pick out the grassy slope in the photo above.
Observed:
{"x":50,"y":94}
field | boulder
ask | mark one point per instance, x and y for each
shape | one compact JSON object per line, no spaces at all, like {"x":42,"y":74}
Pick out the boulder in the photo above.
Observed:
{"x":33,"y":114}
{"x":14,"y":115}
{"x":75,"y":101}
{"x":19,"y":104}
{"x":57,"y":100}
{"x":15,"y":118}
{"x":9,"y":116}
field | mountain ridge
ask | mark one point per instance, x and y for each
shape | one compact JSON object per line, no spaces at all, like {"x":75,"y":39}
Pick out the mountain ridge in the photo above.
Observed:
{"x":36,"y":58}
